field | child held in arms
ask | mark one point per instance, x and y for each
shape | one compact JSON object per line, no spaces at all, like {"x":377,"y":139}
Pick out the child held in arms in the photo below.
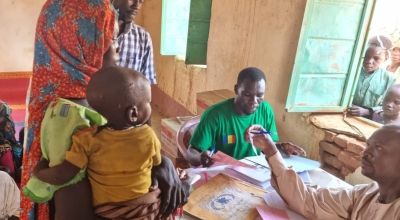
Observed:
{"x":119,"y":155}
{"x":372,"y":83}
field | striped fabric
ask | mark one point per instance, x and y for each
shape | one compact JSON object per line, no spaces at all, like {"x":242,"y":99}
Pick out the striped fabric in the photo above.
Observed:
{"x":229,"y":139}
{"x":136,"y":52}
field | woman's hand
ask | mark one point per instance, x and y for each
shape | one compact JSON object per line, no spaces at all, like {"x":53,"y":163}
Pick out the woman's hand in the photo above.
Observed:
{"x":41,"y":165}
{"x":174,"y":192}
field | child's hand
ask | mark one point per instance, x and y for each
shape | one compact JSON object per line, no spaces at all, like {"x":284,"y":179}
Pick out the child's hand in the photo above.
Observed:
{"x":358,"y":111}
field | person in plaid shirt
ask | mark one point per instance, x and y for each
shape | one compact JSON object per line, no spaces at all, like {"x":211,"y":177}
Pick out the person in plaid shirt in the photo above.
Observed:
{"x":134,"y":42}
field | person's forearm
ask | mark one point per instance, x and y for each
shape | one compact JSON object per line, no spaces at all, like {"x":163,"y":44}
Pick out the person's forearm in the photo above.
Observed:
{"x":288,"y":184}
{"x":307,"y":201}
{"x":173,"y":193}
{"x":193,"y":156}
{"x":59,"y":174}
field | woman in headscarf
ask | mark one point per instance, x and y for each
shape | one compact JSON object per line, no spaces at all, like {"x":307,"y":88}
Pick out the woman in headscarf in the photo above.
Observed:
{"x":10,"y":149}
{"x":71,"y":38}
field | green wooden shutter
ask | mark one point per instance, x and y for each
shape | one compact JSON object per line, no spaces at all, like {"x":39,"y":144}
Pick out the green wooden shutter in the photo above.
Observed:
{"x":199,"y":26}
{"x":174,"y":27}
{"x":328,"y":55}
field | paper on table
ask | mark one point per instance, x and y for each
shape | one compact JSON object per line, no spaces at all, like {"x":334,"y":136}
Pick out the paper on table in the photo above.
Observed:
{"x":251,"y":175}
{"x":259,"y":160}
{"x":298,"y":164}
{"x":270,"y":213}
{"x":225,"y":198}
{"x":301,"y":164}
{"x":305,"y":176}
{"x":199,"y":170}
{"x":220,"y":158}
{"x":206,"y":173}
{"x":221,"y":161}
{"x":273,"y":199}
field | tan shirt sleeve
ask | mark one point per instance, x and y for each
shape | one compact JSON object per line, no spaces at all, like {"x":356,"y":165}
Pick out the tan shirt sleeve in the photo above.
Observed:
{"x":312,"y":203}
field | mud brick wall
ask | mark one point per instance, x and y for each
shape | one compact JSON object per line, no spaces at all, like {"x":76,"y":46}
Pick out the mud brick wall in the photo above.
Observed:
{"x":340,"y":154}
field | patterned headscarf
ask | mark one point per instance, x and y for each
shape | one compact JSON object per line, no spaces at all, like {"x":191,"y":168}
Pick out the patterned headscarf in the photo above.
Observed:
{"x":71,"y":38}
{"x":7,"y":127}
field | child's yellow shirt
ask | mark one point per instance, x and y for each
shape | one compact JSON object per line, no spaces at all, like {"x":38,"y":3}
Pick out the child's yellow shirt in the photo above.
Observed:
{"x":118,"y":162}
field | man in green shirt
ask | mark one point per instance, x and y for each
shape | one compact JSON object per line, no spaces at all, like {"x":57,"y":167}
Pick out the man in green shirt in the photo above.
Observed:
{"x":222,"y":126}
{"x":372,"y":84}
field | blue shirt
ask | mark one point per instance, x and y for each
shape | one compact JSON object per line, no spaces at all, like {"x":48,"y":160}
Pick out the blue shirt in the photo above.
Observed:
{"x":372,"y":87}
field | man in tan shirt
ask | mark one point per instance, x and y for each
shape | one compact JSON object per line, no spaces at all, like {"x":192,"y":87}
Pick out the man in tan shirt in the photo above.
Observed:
{"x":378,"y":200}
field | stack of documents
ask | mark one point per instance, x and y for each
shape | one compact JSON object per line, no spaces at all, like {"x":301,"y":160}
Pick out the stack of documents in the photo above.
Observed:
{"x":297,"y":163}
{"x":256,"y":176}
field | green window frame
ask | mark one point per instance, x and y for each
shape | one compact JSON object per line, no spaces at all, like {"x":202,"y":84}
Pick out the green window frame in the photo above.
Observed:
{"x":199,"y":27}
{"x":328,"y":57}
{"x":185,"y":25}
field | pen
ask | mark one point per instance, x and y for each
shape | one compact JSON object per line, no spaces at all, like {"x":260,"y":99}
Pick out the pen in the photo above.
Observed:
{"x":254,"y":149}
{"x":212,"y":152}
{"x":260,"y":132}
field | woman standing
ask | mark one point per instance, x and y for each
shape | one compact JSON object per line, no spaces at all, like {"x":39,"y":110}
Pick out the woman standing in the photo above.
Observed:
{"x":71,"y":38}
{"x":73,"y":41}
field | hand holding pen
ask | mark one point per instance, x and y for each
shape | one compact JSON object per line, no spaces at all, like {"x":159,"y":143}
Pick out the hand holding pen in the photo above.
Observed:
{"x":260,"y":138}
{"x":206,"y":157}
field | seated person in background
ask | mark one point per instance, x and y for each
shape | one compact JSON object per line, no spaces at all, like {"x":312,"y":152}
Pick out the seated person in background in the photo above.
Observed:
{"x":9,"y":198}
{"x":10,"y":149}
{"x":6,"y":157}
{"x":372,"y":84}
{"x":120,"y":155}
{"x":378,"y":200}
{"x":390,"y":113}
{"x":222,"y":126}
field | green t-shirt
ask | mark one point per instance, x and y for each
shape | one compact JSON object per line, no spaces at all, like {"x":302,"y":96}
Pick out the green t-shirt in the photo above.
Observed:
{"x":221,"y":127}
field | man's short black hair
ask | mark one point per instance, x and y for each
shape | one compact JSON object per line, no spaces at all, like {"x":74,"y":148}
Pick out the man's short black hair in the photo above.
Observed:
{"x":251,"y":73}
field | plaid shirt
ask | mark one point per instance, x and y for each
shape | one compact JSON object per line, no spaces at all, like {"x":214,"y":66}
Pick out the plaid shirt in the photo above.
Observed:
{"x":136,"y":52}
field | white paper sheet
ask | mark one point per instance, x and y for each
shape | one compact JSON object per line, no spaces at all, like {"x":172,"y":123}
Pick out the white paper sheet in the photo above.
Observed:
{"x":297,"y":163}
